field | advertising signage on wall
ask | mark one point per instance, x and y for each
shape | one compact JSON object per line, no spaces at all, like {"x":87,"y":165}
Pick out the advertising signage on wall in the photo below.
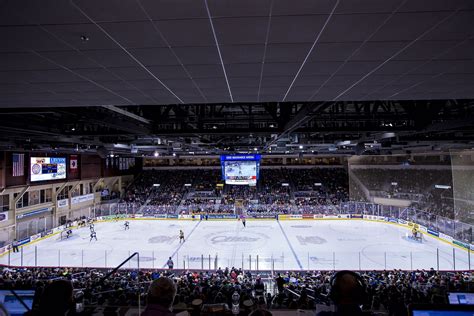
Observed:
{"x":35,"y":212}
{"x":82,"y":198}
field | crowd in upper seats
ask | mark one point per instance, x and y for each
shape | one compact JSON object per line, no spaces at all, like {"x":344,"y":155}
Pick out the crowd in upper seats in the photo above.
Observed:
{"x":388,"y":291}
{"x":417,"y":185}
{"x":301,"y":190}
{"x":278,"y":191}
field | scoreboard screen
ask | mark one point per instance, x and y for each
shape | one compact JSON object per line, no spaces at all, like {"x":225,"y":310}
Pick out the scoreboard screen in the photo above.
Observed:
{"x":47,"y":168}
{"x":240,"y":169}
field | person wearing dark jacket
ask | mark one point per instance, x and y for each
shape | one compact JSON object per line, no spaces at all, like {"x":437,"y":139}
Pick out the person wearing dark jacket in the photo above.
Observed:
{"x":160,"y":297}
{"x":348,"y":292}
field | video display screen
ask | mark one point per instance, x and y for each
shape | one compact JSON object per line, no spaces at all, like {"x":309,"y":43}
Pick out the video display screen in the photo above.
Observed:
{"x":47,"y":168}
{"x":240,"y":169}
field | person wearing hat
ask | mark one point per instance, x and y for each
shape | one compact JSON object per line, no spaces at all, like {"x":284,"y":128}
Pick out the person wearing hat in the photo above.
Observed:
{"x":160,"y":297}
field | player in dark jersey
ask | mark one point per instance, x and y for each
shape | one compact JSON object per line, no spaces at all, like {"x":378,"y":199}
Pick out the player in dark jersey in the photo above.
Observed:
{"x":127,"y":225}
{"x":181,"y":236}
{"x":93,"y":236}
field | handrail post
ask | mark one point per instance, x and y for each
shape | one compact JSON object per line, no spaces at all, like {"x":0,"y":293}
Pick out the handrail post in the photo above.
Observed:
{"x":118,"y":267}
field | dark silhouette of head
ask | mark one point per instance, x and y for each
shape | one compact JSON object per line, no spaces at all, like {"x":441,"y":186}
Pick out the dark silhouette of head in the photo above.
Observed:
{"x":347,"y":288}
{"x":57,"y":298}
{"x":162,"y":292}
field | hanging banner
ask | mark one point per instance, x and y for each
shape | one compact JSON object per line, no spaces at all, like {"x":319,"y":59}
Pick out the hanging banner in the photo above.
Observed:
{"x":73,"y":162}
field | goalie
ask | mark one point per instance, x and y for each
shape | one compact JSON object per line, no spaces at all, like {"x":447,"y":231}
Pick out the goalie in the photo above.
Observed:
{"x":416,"y":234}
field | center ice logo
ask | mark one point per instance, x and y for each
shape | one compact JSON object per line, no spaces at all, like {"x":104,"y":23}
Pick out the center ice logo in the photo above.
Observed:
{"x":314,"y":240}
{"x":234,"y":239}
{"x":162,"y":239}
{"x":225,"y":239}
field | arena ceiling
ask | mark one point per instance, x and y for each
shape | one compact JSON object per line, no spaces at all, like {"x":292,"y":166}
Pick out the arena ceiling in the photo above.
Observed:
{"x":217,"y":75}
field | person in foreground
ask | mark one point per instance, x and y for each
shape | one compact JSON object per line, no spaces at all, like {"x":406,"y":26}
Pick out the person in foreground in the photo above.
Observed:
{"x":55,"y":300}
{"x":348,"y":292}
{"x":160,"y":297}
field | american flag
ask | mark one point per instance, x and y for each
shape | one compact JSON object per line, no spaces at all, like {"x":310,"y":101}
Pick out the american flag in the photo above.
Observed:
{"x":18,"y":165}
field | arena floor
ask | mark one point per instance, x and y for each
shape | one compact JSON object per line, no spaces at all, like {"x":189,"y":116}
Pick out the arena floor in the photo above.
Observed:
{"x":281,"y":245}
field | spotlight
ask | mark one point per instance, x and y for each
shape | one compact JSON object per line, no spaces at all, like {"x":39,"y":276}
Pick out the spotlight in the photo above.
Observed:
{"x":156,"y":154}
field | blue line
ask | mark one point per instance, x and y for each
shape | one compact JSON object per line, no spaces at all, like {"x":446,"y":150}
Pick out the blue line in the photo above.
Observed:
{"x":181,"y":244}
{"x":291,"y":247}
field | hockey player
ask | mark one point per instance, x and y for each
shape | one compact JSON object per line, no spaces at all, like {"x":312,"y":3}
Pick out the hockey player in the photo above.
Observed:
{"x":181,"y":236}
{"x":243,"y":221}
{"x":416,"y":234}
{"x":68,"y":233}
{"x":91,"y":227}
{"x":93,"y":236}
{"x":127,"y":225}
{"x":170,"y":263}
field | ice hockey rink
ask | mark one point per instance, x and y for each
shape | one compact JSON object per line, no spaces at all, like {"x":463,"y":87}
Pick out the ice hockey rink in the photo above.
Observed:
{"x":261,"y":245}
{"x":240,"y":169}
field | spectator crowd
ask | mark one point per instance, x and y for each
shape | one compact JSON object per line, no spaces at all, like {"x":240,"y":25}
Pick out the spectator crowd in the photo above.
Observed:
{"x":389,"y":291}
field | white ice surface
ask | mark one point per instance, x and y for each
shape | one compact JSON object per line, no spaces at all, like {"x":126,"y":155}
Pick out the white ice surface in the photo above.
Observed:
{"x":246,"y":169}
{"x":284,"y":245}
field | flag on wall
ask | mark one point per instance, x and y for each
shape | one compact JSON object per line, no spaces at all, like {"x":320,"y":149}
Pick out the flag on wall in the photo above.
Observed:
{"x":18,"y":165}
{"x":73,"y":162}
